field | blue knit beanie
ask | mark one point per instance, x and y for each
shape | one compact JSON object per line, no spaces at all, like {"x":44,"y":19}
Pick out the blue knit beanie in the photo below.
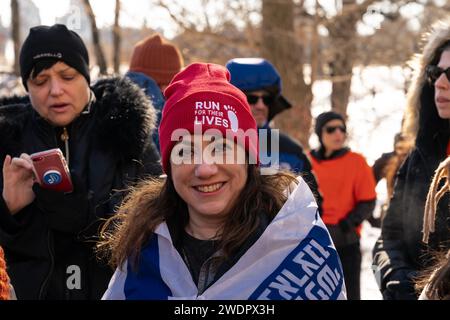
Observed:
{"x":253,"y":74}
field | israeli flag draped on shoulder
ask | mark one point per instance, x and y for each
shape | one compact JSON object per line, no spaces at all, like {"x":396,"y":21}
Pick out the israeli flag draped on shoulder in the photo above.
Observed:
{"x":293,"y":259}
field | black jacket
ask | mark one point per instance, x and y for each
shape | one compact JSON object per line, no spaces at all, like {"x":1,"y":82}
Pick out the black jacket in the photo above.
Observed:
{"x":291,"y":158}
{"x":49,"y":244}
{"x":399,"y":252}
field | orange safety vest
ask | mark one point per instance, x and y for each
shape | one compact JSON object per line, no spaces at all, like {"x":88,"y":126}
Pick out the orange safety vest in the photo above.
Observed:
{"x":343,"y":181}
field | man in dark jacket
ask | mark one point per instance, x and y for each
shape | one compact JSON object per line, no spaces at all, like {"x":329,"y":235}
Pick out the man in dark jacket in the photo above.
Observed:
{"x":261,"y":83}
{"x":399,"y":252}
{"x":104,"y":132}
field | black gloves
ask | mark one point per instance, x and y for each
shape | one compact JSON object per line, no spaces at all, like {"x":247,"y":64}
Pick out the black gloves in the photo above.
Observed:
{"x":401,"y":286}
{"x":67,"y":213}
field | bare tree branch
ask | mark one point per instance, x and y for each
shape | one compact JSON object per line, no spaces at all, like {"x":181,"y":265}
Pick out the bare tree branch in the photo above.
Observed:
{"x":116,"y":37}
{"x":189,"y":27}
{"x":101,"y":61}
{"x":15,"y":34}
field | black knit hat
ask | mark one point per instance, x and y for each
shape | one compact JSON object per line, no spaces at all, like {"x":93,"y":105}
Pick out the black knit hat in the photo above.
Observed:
{"x":55,"y":42}
{"x":325,"y":117}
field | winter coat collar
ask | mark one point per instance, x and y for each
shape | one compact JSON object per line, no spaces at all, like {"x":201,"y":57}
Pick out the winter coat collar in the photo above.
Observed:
{"x":319,"y":154}
{"x":124,"y":118}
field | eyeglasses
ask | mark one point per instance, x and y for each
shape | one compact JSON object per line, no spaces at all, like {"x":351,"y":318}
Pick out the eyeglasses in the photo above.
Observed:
{"x":253,"y":99}
{"x":332,"y":129}
{"x":434,"y":72}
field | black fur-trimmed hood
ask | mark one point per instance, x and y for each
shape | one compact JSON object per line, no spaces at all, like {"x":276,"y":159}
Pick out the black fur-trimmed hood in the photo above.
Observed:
{"x":124,"y":117}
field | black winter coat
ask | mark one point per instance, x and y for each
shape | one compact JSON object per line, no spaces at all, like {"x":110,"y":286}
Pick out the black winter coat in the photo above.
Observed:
{"x":399,"y":253}
{"x":49,"y":251}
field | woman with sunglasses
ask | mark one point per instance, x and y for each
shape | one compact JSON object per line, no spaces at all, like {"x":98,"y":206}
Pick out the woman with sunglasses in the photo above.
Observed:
{"x":399,"y":252}
{"x":347,"y":185}
{"x":262,"y":85}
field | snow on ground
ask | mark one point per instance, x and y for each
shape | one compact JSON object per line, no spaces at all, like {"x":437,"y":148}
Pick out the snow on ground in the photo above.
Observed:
{"x":369,"y":287}
{"x":369,"y":235}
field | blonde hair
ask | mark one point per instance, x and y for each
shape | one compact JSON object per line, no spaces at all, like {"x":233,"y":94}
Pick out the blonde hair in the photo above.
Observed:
{"x":433,"y":197}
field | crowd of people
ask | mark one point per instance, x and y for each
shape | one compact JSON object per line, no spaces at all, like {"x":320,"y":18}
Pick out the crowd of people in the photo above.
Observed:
{"x":182,"y":188}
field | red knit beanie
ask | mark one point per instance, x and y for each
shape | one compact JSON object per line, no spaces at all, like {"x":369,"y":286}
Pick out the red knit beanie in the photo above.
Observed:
{"x":201,"y":96}
{"x":157,"y":58}
{"x":4,"y":280}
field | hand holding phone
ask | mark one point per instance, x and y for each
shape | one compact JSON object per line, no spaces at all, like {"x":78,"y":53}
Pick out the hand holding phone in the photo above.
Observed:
{"x":18,"y":178}
{"x":51,"y":170}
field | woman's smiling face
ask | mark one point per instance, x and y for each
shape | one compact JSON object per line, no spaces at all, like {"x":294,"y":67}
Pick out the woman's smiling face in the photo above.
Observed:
{"x":211,"y":186}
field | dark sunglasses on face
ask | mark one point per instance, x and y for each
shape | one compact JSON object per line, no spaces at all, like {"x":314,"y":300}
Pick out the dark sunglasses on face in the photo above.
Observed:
{"x":434,"y":72}
{"x":332,"y":129}
{"x":253,"y":99}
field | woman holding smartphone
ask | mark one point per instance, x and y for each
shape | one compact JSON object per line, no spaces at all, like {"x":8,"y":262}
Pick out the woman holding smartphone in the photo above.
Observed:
{"x":104,"y":133}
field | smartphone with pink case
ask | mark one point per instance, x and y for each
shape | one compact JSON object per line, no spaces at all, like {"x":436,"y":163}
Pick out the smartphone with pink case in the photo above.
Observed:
{"x":51,"y":170}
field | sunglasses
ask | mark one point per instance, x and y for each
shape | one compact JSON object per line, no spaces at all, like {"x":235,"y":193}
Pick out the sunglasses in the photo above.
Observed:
{"x":253,"y":99}
{"x":331,"y":129}
{"x":434,"y":72}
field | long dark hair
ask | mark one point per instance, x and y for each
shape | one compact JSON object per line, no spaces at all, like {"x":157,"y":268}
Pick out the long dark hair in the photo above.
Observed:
{"x":154,"y":201}
{"x":436,"y":279}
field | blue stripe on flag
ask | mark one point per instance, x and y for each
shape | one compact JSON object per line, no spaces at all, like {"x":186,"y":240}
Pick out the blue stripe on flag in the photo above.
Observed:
{"x":312,"y":271}
{"x":146,"y":283}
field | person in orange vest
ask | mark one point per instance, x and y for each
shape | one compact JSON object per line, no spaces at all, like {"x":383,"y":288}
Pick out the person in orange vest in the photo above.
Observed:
{"x":347,"y":185}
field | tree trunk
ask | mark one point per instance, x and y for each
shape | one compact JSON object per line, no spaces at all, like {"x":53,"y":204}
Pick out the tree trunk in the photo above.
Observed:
{"x":101,"y":61}
{"x":343,"y":37}
{"x":15,"y":34}
{"x":116,"y":38}
{"x":280,"y":46}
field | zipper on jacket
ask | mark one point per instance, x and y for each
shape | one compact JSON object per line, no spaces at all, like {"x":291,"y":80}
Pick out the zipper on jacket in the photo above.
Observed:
{"x":52,"y":266}
{"x":65,"y":139}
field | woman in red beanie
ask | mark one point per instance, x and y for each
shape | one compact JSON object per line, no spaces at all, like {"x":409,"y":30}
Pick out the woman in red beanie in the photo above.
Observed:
{"x":215,"y":228}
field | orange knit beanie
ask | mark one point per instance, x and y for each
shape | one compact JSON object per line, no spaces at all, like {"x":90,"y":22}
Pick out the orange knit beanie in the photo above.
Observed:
{"x":4,"y":280}
{"x":157,"y":58}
